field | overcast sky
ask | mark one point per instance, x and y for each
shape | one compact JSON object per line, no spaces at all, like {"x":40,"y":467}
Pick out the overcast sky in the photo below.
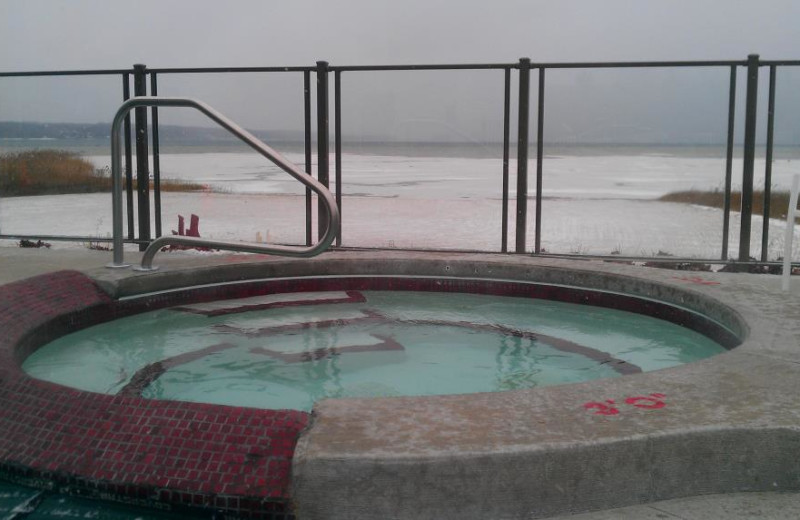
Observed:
{"x":96,"y":34}
{"x":56,"y":34}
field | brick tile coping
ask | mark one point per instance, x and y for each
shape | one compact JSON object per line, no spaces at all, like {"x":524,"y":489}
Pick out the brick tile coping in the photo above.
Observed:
{"x":181,"y":455}
{"x":166,"y":454}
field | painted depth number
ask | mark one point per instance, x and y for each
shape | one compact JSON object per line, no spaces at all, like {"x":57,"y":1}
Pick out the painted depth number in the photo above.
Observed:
{"x":648,"y":402}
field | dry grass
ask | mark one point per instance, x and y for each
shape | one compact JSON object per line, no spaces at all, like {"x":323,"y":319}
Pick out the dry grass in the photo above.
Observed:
{"x":50,"y":172}
{"x":779,"y":201}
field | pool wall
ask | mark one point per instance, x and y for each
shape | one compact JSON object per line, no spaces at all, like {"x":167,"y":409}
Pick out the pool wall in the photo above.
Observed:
{"x":723,"y":424}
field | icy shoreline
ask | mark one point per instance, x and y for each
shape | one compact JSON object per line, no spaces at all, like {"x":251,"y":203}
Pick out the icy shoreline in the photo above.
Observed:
{"x":577,"y":176}
{"x":587,"y":226}
{"x":604,"y":204}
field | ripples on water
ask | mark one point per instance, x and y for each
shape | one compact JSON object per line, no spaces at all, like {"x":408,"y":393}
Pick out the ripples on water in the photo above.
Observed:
{"x":394,"y":343}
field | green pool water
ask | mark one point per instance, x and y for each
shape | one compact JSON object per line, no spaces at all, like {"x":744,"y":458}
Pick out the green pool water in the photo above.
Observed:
{"x":305,"y":348}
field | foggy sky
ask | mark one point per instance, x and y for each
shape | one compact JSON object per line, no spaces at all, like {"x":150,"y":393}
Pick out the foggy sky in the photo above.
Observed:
{"x":99,"y":34}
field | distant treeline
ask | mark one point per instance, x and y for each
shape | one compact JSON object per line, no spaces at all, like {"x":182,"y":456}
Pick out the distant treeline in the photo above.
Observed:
{"x":19,"y":130}
{"x":167,"y":133}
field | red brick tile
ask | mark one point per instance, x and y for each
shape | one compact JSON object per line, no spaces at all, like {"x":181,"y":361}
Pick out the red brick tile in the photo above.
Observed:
{"x":128,"y":446}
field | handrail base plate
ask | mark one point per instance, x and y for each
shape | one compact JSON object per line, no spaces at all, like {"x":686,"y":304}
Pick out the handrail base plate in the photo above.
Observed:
{"x":145,"y":269}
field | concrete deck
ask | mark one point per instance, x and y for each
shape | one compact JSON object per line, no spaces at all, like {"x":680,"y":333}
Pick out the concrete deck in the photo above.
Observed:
{"x":724,"y":425}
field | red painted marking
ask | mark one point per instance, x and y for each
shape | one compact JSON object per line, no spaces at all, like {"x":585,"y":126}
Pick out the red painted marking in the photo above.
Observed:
{"x":651,"y":402}
{"x":602,"y":409}
{"x":695,"y":279}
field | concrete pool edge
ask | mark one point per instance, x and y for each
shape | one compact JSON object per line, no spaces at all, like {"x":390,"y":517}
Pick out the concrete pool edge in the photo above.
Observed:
{"x":439,"y":265}
{"x":359,"y":461}
{"x":334,"y":459}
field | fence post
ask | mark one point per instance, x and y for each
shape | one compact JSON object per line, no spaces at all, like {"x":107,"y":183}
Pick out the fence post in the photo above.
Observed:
{"x":337,"y":113}
{"x":506,"y":136}
{"x":751,"y":110}
{"x":537,"y":248}
{"x":322,"y":139}
{"x":156,"y":158}
{"x":522,"y":152}
{"x":307,"y":146}
{"x":126,"y":95}
{"x":142,"y":167}
{"x":768,"y":161}
{"x":726,"y":210}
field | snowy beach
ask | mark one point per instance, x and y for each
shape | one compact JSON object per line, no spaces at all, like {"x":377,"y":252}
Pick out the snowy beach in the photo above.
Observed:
{"x":593,"y":204}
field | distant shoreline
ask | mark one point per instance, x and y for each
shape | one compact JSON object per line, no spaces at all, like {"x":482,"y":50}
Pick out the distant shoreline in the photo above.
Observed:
{"x":102,"y":146}
{"x":93,"y":138}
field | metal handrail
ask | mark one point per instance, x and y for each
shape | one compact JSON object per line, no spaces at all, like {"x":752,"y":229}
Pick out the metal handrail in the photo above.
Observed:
{"x":329,"y":203}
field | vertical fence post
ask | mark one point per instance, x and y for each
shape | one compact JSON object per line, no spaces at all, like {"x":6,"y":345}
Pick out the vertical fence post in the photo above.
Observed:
{"x":506,"y":138}
{"x":307,"y":142}
{"x":156,"y":158}
{"x":322,"y":140}
{"x":142,"y":166}
{"x":337,"y":113}
{"x":126,"y":95}
{"x":726,"y":211}
{"x":751,"y":110}
{"x":522,"y":152}
{"x":768,"y":160}
{"x":539,"y":163}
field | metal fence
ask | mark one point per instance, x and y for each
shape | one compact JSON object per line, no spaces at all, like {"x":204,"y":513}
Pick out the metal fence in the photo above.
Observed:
{"x":145,"y":82}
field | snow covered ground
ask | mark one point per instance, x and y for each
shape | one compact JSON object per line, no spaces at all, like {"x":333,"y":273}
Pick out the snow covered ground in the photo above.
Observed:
{"x":592,"y":205}
{"x":641,"y":176}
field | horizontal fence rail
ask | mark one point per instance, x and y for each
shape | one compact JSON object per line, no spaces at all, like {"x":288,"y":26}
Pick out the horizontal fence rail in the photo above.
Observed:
{"x":145,"y":83}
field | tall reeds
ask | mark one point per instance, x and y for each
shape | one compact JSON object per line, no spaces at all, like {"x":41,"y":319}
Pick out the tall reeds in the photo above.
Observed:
{"x":779,"y":200}
{"x":50,"y":172}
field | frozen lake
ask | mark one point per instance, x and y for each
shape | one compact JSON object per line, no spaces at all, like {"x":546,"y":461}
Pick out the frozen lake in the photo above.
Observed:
{"x":640,"y":176}
{"x":593,"y":204}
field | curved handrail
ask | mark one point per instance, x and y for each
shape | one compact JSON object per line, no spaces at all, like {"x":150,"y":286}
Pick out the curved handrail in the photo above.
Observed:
{"x":147,"y":259}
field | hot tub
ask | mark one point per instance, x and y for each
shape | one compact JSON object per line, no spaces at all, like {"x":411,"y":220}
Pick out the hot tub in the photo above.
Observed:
{"x":628,"y":437}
